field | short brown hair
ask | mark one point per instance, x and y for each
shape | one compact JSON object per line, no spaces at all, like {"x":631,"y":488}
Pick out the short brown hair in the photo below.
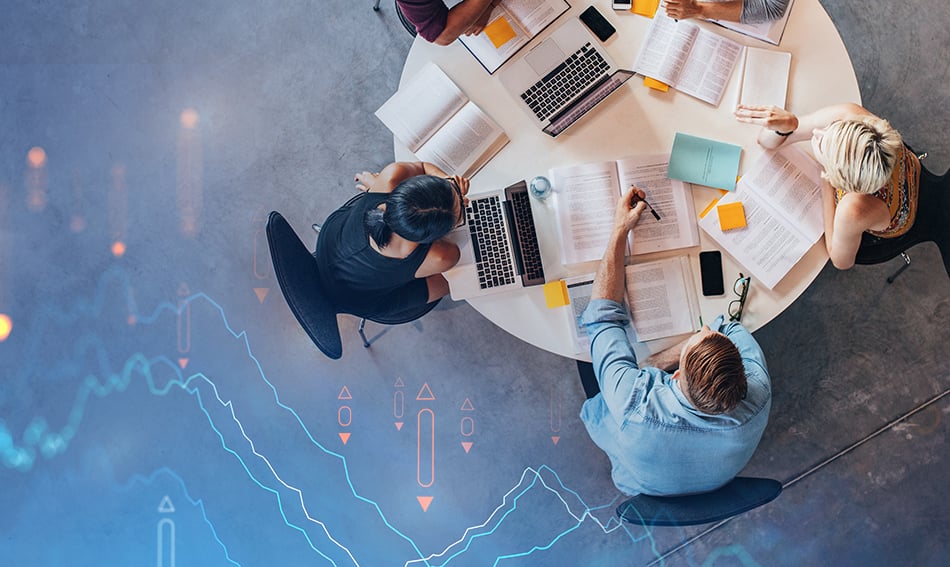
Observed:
{"x":715,"y":376}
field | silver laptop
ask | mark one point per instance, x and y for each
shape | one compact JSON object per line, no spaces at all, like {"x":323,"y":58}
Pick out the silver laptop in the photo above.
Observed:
{"x":563,"y":77}
{"x":498,"y":244}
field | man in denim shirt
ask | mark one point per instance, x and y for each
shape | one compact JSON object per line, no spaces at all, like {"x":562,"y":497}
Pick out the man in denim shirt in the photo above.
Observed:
{"x":686,"y":432}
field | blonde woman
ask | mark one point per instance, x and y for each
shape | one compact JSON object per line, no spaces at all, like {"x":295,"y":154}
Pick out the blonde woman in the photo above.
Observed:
{"x":870,"y":178}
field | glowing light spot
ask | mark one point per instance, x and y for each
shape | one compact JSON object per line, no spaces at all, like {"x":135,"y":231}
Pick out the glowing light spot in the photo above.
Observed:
{"x":118,"y":248}
{"x":36,"y":157}
{"x":131,"y":320}
{"x":6,"y":325}
{"x":189,"y":118}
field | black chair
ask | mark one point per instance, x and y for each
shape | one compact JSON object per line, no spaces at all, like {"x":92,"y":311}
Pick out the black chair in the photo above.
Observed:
{"x":740,"y":495}
{"x":299,"y":279}
{"x":932,"y":224}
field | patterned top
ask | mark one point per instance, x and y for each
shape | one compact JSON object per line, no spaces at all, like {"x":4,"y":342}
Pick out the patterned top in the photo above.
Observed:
{"x":900,"y":195}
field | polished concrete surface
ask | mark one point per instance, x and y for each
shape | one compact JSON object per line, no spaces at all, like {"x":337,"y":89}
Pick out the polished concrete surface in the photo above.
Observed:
{"x":160,"y":403}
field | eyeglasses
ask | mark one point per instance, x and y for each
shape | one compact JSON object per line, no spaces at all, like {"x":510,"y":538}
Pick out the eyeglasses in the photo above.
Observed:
{"x":458,"y":191}
{"x":741,"y":288}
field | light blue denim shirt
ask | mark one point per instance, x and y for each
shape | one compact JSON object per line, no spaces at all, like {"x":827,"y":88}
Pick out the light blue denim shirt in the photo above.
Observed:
{"x":658,"y":443}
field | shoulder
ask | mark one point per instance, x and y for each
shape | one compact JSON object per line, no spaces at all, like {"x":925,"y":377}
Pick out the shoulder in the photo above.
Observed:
{"x":444,"y":251}
{"x":857,"y":212}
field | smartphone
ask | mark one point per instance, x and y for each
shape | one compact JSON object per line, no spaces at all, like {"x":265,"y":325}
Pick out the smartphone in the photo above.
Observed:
{"x":597,"y":23}
{"x":622,"y":4}
{"x":710,"y":270}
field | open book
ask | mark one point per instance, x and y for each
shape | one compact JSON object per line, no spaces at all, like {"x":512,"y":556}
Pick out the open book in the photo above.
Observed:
{"x":661,"y":299}
{"x":781,"y":196}
{"x":512,"y":24}
{"x":439,"y":124}
{"x":770,"y":32}
{"x":690,"y":59}
{"x":586,"y":196}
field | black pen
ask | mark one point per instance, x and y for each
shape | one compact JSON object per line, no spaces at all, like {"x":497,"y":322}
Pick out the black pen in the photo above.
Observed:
{"x":652,"y":212}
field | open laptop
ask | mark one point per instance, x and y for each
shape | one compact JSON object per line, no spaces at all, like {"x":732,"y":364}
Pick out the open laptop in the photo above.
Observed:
{"x":563,"y":77}
{"x":498,"y":244}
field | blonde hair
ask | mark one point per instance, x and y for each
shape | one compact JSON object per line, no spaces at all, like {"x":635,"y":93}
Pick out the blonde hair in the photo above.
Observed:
{"x":859,"y":153}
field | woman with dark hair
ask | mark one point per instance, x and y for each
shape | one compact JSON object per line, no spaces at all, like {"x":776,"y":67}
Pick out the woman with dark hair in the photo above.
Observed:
{"x":381,"y":254}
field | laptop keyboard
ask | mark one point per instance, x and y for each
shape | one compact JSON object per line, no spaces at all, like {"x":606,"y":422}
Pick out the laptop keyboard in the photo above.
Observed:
{"x":566,"y":81}
{"x":489,"y":242}
{"x":527,"y":236}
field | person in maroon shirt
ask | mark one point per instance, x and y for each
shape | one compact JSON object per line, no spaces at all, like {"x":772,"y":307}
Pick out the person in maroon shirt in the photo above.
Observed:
{"x":438,"y":24}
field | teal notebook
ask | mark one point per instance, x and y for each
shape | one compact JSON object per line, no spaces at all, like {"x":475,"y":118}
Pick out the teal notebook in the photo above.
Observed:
{"x":704,"y":162}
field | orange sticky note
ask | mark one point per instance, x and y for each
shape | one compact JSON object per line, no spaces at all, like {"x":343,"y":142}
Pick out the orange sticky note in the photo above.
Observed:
{"x":499,"y":32}
{"x":555,"y":294}
{"x":654,"y":84}
{"x":645,"y":7}
{"x":731,"y":215}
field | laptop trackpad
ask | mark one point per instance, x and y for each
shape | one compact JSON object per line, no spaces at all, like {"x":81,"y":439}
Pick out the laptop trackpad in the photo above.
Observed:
{"x":545,"y":57}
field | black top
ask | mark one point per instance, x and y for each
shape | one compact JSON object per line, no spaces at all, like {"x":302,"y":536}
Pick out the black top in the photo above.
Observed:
{"x":361,"y":280}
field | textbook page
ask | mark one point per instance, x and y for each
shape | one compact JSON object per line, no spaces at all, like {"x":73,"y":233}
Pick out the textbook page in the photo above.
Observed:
{"x":781,"y":196}
{"x":661,"y":298}
{"x":421,"y":106}
{"x":665,"y":48}
{"x":579,"y":289}
{"x":465,"y":143}
{"x":670,"y":198}
{"x":695,"y":61}
{"x":512,"y":24}
{"x":586,"y":196}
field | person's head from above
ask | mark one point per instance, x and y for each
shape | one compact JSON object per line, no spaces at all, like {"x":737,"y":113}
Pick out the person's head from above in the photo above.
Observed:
{"x":420,"y":209}
{"x":858,"y":153}
{"x":711,"y":373}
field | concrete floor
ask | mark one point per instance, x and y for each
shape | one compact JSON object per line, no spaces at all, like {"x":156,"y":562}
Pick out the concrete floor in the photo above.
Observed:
{"x":175,"y":370}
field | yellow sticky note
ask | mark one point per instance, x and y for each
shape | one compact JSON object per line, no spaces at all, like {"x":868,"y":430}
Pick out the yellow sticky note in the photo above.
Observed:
{"x":555,"y":294}
{"x":731,"y":215}
{"x":654,"y":84}
{"x":712,"y":203}
{"x":499,"y":32}
{"x":645,"y":7}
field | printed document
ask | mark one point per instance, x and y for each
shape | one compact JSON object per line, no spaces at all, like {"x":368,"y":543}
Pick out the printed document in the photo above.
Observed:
{"x":586,"y":196}
{"x":781,"y":195}
{"x":690,"y":59}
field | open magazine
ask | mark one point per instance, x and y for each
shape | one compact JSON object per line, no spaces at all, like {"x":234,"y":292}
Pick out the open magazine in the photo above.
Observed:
{"x":586,"y":196}
{"x":439,"y":124}
{"x":512,"y":24}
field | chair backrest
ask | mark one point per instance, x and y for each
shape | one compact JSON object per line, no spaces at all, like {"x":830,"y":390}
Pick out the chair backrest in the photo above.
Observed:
{"x":299,"y":280}
{"x":740,"y":495}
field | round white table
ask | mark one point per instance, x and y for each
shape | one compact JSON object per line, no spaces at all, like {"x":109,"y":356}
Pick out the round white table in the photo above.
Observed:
{"x":639,"y":120}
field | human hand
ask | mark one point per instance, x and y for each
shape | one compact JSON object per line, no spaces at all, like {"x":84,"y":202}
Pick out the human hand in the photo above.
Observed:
{"x":365,"y":180}
{"x":479,"y":24}
{"x":463,"y":185}
{"x":629,"y":208}
{"x":683,"y":9}
{"x":769,"y":117}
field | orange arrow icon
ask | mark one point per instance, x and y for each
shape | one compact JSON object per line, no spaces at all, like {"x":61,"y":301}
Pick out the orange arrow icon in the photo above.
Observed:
{"x":424,"y":501}
{"x":344,"y":437}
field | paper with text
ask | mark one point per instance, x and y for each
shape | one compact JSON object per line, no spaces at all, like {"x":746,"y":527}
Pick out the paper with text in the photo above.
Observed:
{"x":781,"y":195}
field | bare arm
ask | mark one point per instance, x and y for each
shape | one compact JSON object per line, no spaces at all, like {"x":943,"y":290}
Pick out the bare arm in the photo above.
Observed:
{"x":461,"y":19}
{"x":774,"y":120}
{"x":730,"y":10}
{"x":608,"y":283}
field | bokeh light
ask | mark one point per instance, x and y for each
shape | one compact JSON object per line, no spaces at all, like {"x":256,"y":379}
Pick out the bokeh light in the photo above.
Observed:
{"x":36,"y":157}
{"x":6,"y":325}
{"x":118,"y":248}
{"x":189,"y":118}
